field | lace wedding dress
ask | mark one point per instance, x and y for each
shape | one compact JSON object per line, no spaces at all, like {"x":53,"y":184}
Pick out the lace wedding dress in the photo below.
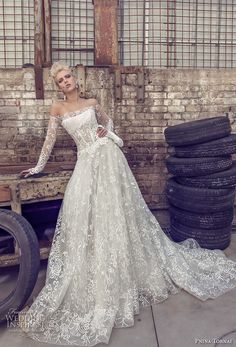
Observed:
{"x":109,"y":255}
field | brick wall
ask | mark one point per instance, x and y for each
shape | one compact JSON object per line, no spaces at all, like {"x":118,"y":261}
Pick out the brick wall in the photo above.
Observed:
{"x":171,"y":97}
{"x":23,"y":119}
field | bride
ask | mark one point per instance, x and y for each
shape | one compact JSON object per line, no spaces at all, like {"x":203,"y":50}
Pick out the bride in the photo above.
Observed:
{"x":109,"y":255}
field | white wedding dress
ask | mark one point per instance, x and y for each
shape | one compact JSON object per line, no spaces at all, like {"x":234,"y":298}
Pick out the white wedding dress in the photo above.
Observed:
{"x":109,"y":255}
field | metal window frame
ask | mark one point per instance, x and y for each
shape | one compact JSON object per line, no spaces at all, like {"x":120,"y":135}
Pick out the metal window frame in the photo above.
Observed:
{"x":18,"y":42}
{"x":165,"y":34}
{"x":178,"y":33}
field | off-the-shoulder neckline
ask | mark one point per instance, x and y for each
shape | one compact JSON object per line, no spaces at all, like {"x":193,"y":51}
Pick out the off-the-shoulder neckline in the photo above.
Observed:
{"x":78,"y":111}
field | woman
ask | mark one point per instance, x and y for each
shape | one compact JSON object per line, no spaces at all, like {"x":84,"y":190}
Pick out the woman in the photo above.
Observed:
{"x":109,"y":254}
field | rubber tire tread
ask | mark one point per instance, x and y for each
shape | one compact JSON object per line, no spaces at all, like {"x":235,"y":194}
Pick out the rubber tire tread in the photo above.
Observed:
{"x":199,"y":200}
{"x":27,"y":240}
{"x":215,"y":148}
{"x":191,"y":167}
{"x":216,"y":220}
{"x":223,"y":179}
{"x":204,"y":244}
{"x":198,"y":131}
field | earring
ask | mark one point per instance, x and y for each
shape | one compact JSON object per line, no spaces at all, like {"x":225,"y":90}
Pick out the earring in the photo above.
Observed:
{"x":64,"y":97}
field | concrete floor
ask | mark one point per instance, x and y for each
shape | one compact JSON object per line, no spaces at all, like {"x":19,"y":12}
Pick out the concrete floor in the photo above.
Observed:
{"x":180,"y":321}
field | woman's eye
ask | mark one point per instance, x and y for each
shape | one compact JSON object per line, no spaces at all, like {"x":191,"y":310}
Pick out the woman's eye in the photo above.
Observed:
{"x":68,"y":76}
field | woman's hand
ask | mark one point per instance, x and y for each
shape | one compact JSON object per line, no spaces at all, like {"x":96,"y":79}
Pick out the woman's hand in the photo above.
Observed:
{"x":25,"y":173}
{"x":101,"y":131}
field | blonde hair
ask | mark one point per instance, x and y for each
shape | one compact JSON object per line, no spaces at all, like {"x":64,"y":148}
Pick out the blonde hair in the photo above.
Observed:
{"x":58,"y":66}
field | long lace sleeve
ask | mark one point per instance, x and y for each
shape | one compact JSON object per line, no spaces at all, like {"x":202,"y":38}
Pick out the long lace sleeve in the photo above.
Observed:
{"x":104,"y":120}
{"x":47,"y":146}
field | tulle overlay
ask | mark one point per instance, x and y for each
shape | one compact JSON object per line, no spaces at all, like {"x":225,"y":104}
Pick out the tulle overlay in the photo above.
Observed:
{"x":109,"y":255}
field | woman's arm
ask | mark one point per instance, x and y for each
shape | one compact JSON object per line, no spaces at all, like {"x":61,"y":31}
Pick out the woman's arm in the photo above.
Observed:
{"x":47,"y":146}
{"x":103,"y":118}
{"x":107,"y":123}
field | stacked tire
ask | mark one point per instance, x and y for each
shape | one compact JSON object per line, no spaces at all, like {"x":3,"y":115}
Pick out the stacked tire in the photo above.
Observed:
{"x":201,"y":192}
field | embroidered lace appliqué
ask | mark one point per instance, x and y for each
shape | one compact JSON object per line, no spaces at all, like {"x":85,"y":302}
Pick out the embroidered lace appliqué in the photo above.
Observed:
{"x":109,"y":255}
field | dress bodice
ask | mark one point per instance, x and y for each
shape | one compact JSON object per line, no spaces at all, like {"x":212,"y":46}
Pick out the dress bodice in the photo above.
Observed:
{"x":82,"y":126}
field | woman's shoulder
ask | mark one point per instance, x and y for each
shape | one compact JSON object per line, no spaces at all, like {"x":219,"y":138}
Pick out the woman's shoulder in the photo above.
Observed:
{"x":56,"y":108}
{"x":92,"y":102}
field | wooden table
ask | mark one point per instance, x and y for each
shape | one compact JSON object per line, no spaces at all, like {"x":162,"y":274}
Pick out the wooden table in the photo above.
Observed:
{"x":16,"y":191}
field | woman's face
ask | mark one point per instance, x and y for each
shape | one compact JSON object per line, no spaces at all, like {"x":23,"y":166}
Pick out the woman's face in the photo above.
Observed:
{"x":65,"y":81}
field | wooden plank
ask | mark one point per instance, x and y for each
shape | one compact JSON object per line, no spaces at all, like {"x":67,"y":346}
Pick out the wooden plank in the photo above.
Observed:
{"x":50,"y":168}
{"x":46,"y":188}
{"x":5,"y":194}
{"x":15,"y":198}
{"x":14,"y":258}
{"x":9,"y":260}
{"x":42,"y":187}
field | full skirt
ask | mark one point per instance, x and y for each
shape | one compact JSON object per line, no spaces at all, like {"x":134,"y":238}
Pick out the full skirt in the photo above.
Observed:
{"x":109,"y":257}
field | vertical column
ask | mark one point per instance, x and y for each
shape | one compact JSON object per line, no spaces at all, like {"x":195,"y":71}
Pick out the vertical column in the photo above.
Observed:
{"x":39,"y":52}
{"x":38,"y":33}
{"x":106,"y":35}
{"x":48,"y":31}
